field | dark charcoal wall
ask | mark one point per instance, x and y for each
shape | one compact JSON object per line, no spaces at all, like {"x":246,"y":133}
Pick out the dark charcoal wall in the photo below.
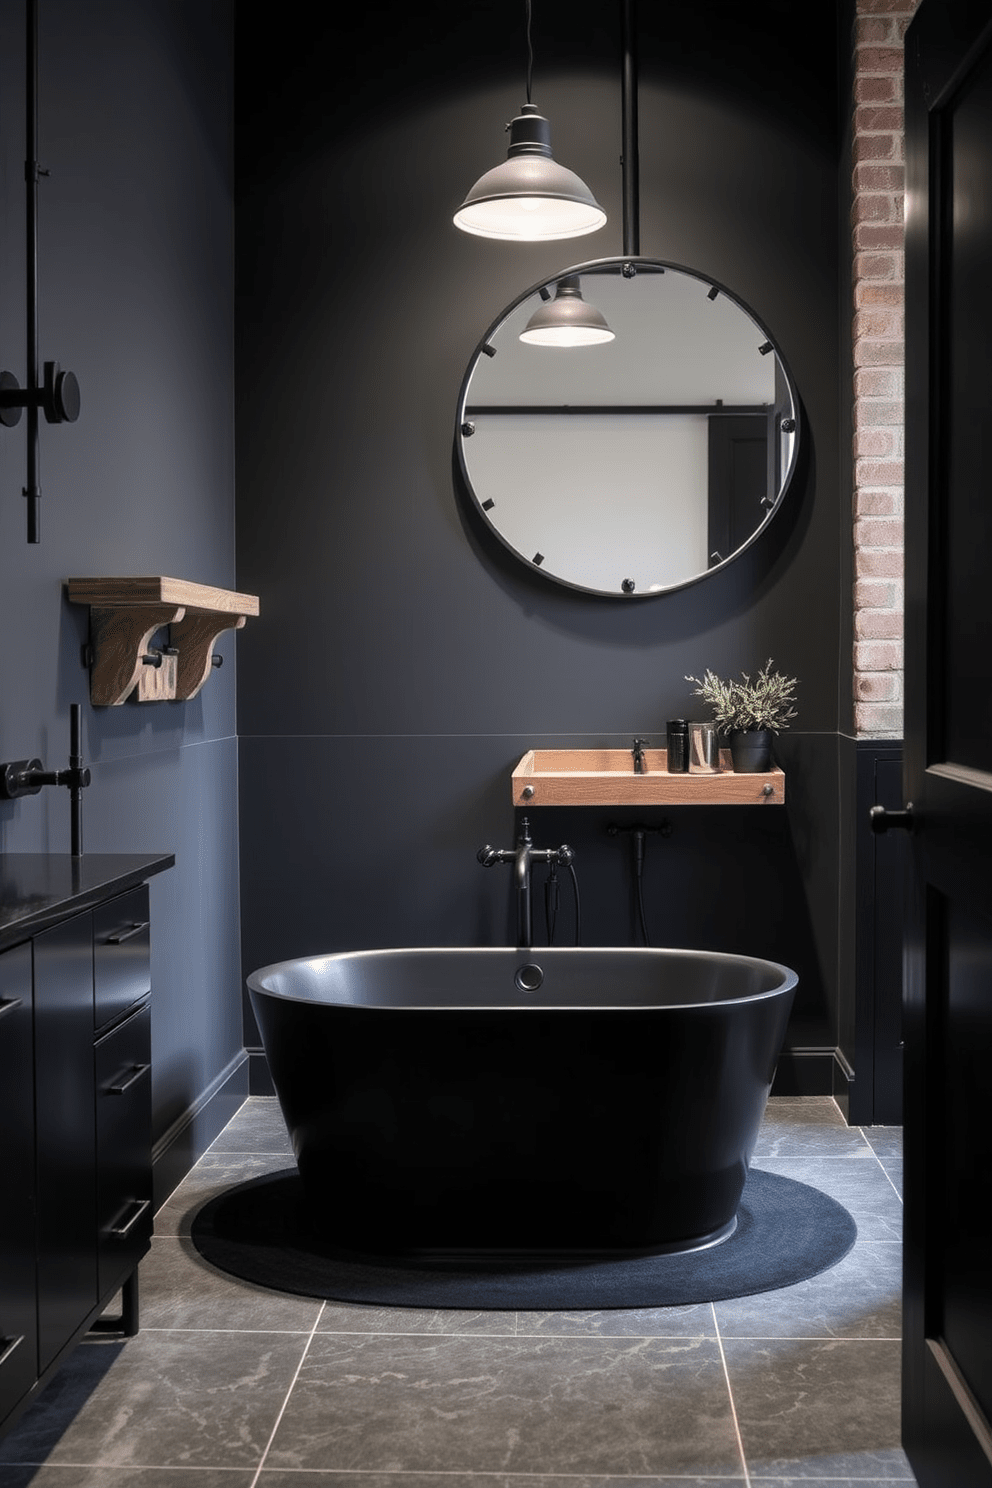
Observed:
{"x":136,"y":277}
{"x":405,"y":662}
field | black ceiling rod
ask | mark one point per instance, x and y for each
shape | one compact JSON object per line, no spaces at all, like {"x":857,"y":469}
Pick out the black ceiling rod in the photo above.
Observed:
{"x":57,"y":392}
{"x":629,"y":158}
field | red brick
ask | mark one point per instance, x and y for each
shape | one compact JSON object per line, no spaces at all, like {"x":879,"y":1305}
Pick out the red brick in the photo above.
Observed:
{"x":887,"y":7}
{"x":874,"y":413}
{"x":871,"y":118}
{"x":880,"y":473}
{"x":876,"y":30}
{"x":876,"y":89}
{"x":874,"y":444}
{"x":879,"y":266}
{"x":874,"y":594}
{"x":878,"y":563}
{"x":869,"y":295}
{"x":883,"y":719}
{"x":878,"y":58}
{"x":876,"y":687}
{"x":869,"y":353}
{"x":881,"y":324}
{"x":879,"y":178}
{"x":878,"y":503}
{"x":876,"y":382}
{"x":878,"y":625}
{"x":878,"y":656}
{"x":878,"y":532}
{"x":876,"y":147}
{"x":876,"y":235}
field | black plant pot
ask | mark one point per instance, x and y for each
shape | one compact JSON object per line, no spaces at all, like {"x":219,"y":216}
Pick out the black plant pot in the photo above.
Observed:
{"x":751,"y":752}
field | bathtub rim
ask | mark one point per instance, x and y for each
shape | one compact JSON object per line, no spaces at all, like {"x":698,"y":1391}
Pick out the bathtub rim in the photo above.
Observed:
{"x":786,"y":985}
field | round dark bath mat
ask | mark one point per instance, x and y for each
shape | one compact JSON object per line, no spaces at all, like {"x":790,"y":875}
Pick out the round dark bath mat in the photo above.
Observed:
{"x":786,"y":1232}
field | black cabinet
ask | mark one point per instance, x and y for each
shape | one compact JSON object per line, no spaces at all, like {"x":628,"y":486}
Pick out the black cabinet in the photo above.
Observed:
{"x":75,"y":1159}
{"x":18,"y":1322}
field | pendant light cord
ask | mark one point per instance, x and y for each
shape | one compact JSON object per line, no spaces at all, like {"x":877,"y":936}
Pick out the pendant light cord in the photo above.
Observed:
{"x":530,"y":49}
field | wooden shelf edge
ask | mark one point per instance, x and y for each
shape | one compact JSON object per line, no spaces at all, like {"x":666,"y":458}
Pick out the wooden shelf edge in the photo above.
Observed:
{"x":556,"y":778}
{"x":153,"y":590}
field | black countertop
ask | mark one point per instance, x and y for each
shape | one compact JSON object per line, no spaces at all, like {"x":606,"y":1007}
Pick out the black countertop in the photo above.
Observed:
{"x":37,"y":890}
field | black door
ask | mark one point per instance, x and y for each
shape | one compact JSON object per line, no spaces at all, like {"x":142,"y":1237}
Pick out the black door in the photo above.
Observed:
{"x":947,"y":1365}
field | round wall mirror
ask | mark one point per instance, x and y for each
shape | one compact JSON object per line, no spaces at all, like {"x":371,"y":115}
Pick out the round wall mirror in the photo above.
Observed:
{"x":627,"y":427}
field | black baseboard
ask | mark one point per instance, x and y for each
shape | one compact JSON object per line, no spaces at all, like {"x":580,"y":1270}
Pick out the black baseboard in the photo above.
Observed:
{"x":188,"y":1138}
{"x":818,"y":1071}
{"x":259,"y":1079}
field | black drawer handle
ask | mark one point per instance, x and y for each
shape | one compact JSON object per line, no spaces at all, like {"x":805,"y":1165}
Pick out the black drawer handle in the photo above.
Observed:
{"x":120,"y":936}
{"x":119,"y":1231}
{"x":136,"y":1073}
{"x":8,"y":1006}
{"x":11,"y":1345}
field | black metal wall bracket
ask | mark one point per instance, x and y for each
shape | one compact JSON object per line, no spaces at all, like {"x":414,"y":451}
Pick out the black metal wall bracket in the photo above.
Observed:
{"x":58,"y":397}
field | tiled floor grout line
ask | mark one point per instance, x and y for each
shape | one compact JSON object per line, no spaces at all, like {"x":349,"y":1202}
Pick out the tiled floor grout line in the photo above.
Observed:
{"x":730,"y":1396}
{"x":282,"y":1408}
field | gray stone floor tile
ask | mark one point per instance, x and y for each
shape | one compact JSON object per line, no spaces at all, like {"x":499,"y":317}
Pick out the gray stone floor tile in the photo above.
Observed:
{"x":179,"y":1289}
{"x":892,"y":1168}
{"x":347,"y":1317}
{"x":257,"y":1127}
{"x":884,"y":1141}
{"x":127,"y":1477}
{"x":209,"y":1178}
{"x":860,"y":1297}
{"x":860,"y":1186}
{"x":795,"y":1129}
{"x":641,"y":1322}
{"x":577,"y":1406}
{"x":442,"y":1479}
{"x":810,"y":1409}
{"x":161,"y":1400}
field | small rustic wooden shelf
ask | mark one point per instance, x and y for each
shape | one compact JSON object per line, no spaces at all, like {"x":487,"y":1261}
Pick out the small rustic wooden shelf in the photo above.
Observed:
{"x":605,"y":777}
{"x":126,"y":613}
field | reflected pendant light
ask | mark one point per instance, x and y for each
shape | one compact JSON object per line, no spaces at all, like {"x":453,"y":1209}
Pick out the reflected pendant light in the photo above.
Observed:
{"x":567,"y":320}
{"x":530,"y":197}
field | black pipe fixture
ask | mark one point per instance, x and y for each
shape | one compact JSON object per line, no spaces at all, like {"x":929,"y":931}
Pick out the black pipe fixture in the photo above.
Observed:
{"x":530,"y":197}
{"x":26,"y":778}
{"x":56,"y":393}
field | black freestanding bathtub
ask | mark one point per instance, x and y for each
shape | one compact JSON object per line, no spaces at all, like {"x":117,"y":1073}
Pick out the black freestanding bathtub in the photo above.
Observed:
{"x":486,"y":1102}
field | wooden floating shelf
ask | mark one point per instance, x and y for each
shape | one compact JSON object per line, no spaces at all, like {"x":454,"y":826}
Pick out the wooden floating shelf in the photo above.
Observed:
{"x":605,"y":777}
{"x":126,"y":613}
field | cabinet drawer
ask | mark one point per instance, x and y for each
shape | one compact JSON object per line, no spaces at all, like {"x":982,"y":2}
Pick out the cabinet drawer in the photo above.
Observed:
{"x":124,"y":1147}
{"x":121,"y":956}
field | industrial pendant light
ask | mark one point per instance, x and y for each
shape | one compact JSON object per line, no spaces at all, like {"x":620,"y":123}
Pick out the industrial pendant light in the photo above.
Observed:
{"x":529,"y":198}
{"x":567,"y":320}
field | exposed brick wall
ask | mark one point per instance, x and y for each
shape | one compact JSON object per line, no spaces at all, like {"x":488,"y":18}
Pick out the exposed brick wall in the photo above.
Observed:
{"x":877,"y":225}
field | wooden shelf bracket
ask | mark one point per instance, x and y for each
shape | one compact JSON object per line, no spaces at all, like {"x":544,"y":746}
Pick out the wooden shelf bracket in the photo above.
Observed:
{"x":124,"y":616}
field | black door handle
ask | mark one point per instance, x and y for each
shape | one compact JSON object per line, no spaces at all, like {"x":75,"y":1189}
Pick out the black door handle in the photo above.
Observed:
{"x":884,"y":820}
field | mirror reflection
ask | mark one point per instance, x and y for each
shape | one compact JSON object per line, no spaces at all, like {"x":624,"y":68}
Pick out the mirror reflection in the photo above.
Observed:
{"x":637,"y":462}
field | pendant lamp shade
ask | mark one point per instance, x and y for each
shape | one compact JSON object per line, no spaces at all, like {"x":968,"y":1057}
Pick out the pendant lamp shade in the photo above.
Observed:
{"x":530,"y":197}
{"x":567,"y":320}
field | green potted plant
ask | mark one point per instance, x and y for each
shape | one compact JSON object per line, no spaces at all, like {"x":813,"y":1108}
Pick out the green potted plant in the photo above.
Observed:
{"x":749,"y":713}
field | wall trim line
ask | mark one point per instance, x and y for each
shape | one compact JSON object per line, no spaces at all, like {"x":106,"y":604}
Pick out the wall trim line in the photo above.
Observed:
{"x":189,"y":1136}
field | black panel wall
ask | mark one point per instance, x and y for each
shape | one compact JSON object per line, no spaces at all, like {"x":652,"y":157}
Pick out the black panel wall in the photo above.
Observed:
{"x":136,"y":297}
{"x":405,"y":662}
